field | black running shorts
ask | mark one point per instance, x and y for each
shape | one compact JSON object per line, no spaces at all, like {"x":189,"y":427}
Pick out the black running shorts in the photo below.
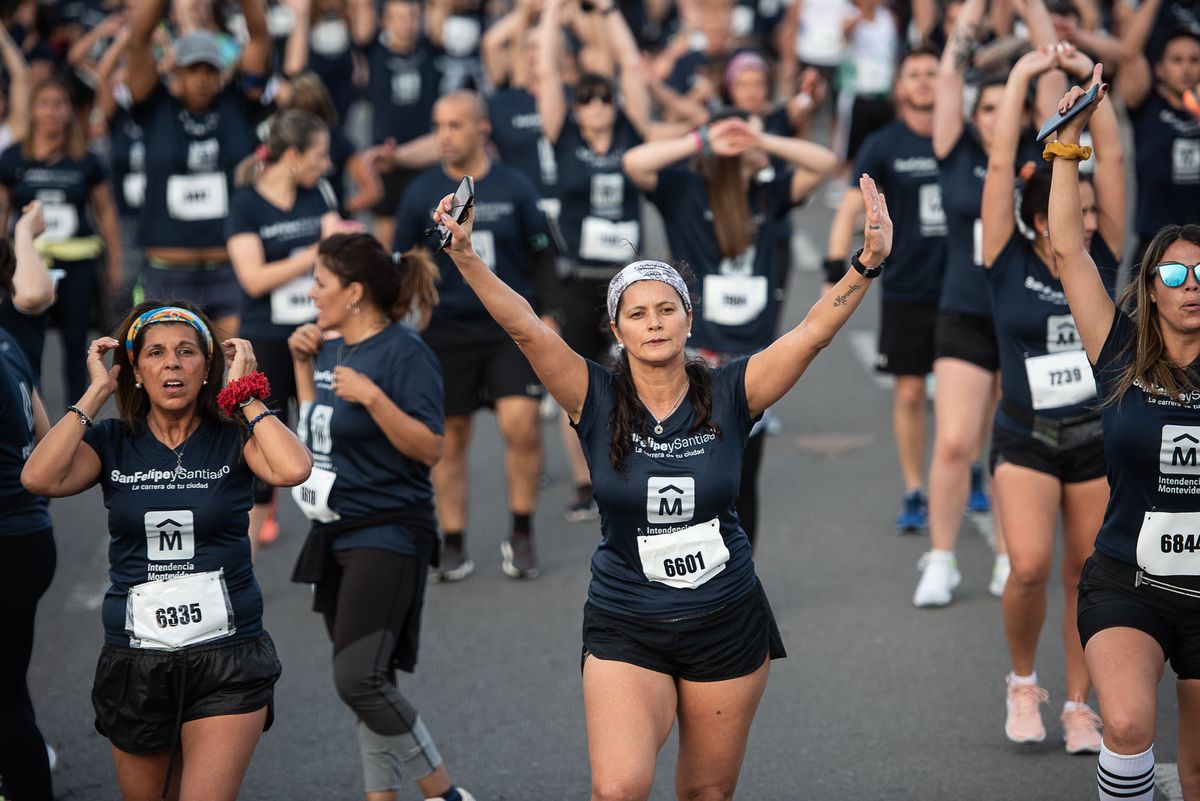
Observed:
{"x":906,"y":338}
{"x":967,"y":337}
{"x":480,"y":365}
{"x":1073,"y":464}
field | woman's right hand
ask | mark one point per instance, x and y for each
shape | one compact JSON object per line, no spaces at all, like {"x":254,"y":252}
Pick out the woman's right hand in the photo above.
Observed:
{"x":460,"y":233}
{"x":32,"y":219}
{"x":101,"y":375}
{"x":877,"y":231}
{"x":1071,"y":132}
{"x":305,"y":341}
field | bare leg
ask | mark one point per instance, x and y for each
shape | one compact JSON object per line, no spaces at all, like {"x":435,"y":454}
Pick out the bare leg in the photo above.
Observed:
{"x":908,"y":424}
{"x":1083,"y":512}
{"x":449,"y":475}
{"x":141,"y":777}
{"x":519,"y":426}
{"x":216,"y":754}
{"x":1126,"y":666}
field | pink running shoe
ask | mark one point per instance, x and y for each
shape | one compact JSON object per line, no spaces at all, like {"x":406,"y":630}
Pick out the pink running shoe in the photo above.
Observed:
{"x":1081,"y":730}
{"x":1024,"y":723}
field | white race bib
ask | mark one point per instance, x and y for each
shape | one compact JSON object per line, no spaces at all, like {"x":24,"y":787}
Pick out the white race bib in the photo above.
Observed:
{"x":1169,"y":544}
{"x":62,"y":221}
{"x":313,"y":496}
{"x":1060,"y":379}
{"x":290,"y":303}
{"x":330,"y":37}
{"x":684,"y":559}
{"x":134,"y":187}
{"x":933,"y":216}
{"x":606,"y":240}
{"x":197,"y":197}
{"x":734,"y":299}
{"x":484,"y":245}
{"x":179,"y":611}
{"x":460,"y":35}
{"x":1185,"y":161}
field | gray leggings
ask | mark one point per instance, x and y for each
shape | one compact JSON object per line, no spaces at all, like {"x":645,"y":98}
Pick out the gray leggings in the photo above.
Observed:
{"x":377,"y":591}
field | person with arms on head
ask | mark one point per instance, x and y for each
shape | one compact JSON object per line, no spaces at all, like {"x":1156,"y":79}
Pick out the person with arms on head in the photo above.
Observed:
{"x":726,"y":220}
{"x":1047,"y":456}
{"x":200,"y":137}
{"x":186,"y":675}
{"x":275,"y":220}
{"x":480,"y":365}
{"x":677,"y":625}
{"x":373,"y":401}
{"x":1137,"y":592}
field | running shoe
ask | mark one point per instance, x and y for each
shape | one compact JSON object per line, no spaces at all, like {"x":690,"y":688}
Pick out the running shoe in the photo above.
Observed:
{"x":582,"y":506}
{"x":978,"y":500}
{"x":454,"y":564}
{"x":520,"y":559}
{"x":1000,"y":570}
{"x":462,"y":794}
{"x":1081,"y":730}
{"x":270,"y":528}
{"x":939,"y":577}
{"x":914,"y":514}
{"x":1024,"y":722}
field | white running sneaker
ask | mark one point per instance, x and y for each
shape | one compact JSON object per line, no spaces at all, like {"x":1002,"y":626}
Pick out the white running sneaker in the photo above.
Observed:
{"x":1000,"y":571}
{"x":939,"y":577}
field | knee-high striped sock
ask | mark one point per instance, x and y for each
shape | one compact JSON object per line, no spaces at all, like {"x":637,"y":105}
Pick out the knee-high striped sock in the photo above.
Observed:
{"x":1125,"y":778}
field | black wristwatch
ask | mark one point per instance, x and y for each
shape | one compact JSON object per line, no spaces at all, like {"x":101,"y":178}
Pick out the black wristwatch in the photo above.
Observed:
{"x":864,"y":270}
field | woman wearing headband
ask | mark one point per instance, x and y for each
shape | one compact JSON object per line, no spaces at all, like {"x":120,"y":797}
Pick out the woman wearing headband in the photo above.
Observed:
{"x":676,"y":624}
{"x":187,"y":670}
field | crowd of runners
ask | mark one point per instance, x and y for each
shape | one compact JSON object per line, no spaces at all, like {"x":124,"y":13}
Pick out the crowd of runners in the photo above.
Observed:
{"x":316,"y":237}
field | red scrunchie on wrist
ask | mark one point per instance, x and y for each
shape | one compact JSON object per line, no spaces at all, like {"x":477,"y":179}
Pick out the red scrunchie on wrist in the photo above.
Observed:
{"x":240,"y":391}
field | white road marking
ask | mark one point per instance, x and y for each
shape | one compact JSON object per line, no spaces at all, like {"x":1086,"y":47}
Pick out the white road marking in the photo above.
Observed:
{"x":1166,"y":779}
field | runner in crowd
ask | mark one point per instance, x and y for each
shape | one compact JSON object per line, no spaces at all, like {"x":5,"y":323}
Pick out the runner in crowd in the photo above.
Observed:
{"x":724,"y":219}
{"x":27,"y":552}
{"x":187,"y":671}
{"x":900,"y":157}
{"x":480,"y":365}
{"x":54,"y":166}
{"x":320,"y":42}
{"x":599,"y":215}
{"x":455,"y":28}
{"x":677,"y":624}
{"x":1047,"y":456}
{"x":275,"y":220}
{"x":1166,"y":136}
{"x":201,"y":136}
{"x":374,"y":422}
{"x":1137,"y":591}
{"x":872,"y":45}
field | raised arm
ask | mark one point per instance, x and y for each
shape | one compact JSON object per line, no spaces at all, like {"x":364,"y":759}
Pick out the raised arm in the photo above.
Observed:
{"x":1135,"y":79}
{"x":143,"y":72}
{"x":635,"y":89}
{"x":256,"y":54}
{"x":948,"y":104}
{"x":1090,"y":304}
{"x":18,"y":90}
{"x":33,"y":291}
{"x":295,"y":49}
{"x":813,"y":163}
{"x":562,"y":371}
{"x":1109,"y":177}
{"x":772,"y":372}
{"x":364,"y":21}
{"x":551,"y":105}
{"x":642,"y":164}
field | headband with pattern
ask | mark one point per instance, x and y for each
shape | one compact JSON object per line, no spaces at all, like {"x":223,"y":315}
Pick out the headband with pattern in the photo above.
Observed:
{"x":166,"y":314}
{"x":645,"y":271}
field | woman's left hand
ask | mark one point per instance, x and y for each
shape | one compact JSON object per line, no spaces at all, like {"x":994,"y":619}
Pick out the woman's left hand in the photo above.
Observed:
{"x":877,"y":233}
{"x":352,"y":386}
{"x":239,"y":355}
{"x":1071,"y":132}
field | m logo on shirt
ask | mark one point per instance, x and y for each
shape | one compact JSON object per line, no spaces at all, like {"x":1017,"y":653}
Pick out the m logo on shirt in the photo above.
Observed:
{"x":1178,"y":452}
{"x":170,"y":536}
{"x":1061,"y":334}
{"x":670,"y":499}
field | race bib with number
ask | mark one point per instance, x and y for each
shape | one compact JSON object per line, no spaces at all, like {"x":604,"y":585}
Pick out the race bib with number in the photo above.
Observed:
{"x":1060,"y":379}
{"x":197,"y":197}
{"x":62,"y":221}
{"x":932,"y":215}
{"x":684,"y":559}
{"x":1185,"y":161}
{"x":606,"y":240}
{"x":460,"y":35}
{"x":1169,"y":544}
{"x":179,"y":611}
{"x":313,"y":496}
{"x":290,"y":303}
{"x":484,"y":245}
{"x":330,"y":37}
{"x":734,"y":299}
{"x":134,"y":187}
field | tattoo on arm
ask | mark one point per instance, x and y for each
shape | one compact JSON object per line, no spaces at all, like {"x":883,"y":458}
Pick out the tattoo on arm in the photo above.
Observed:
{"x":840,"y":300}
{"x":962,"y":42}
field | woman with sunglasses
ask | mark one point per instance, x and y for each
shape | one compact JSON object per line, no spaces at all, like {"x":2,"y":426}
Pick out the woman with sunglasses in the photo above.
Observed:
{"x":1047,"y":457}
{"x":1138,"y":591}
{"x":599,"y":220}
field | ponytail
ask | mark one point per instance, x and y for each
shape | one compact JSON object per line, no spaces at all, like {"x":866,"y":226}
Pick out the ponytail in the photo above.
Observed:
{"x":418,"y":286}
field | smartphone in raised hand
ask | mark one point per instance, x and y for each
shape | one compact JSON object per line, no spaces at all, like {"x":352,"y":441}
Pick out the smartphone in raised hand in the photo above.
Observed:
{"x":1059,"y":120}
{"x":464,"y":201}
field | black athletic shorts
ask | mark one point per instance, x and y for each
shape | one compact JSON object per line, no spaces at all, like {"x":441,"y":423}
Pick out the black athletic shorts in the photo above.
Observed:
{"x":906,"y":338}
{"x":867,"y":115}
{"x":136,"y":694}
{"x":967,"y":337}
{"x":394,"y":184}
{"x":583,"y":316}
{"x":1072,"y":463}
{"x":1108,"y":599}
{"x":480,"y":364}
{"x":724,"y":644}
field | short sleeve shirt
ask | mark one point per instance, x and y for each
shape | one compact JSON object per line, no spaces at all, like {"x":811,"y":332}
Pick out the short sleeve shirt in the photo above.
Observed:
{"x":20,"y":512}
{"x":1167,"y":143}
{"x":64,"y":187}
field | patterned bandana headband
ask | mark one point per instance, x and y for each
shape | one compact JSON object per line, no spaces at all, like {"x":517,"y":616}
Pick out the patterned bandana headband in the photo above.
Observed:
{"x":166,"y":314}
{"x":645,"y":271}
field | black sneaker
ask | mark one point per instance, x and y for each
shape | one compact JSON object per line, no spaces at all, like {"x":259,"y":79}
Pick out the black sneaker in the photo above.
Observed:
{"x":520,"y":560}
{"x":582,"y":506}
{"x":454,"y":564}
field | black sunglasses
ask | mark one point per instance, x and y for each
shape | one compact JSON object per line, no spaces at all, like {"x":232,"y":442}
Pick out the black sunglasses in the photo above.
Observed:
{"x":588,"y":94}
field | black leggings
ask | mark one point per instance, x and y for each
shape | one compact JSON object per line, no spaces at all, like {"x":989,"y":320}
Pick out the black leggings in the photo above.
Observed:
{"x":747,"y":502}
{"x":26,"y":566}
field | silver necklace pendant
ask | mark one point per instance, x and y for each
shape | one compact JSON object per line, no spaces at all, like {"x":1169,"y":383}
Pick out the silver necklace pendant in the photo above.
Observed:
{"x":658,"y":429}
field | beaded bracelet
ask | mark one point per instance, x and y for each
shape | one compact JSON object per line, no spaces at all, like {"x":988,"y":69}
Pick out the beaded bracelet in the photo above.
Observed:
{"x":250,"y":426}
{"x":84,"y":420}
{"x":240,"y":391}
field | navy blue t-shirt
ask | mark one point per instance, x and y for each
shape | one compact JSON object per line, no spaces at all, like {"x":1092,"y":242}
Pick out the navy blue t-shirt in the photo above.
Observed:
{"x":372,"y":477}
{"x":341,"y":150}
{"x":1150,"y":446}
{"x":190,"y":160}
{"x":165,"y":524}
{"x":904,"y":169}
{"x":517,"y":133}
{"x":1033,"y":319}
{"x":599,"y":214}
{"x":402,"y":89}
{"x":276,"y":314}
{"x":673,"y":481}
{"x":1168,"y":165}
{"x":64,"y":188}
{"x":127,"y":159}
{"x":508,"y":227}
{"x":20,"y":512}
{"x":331,"y":57}
{"x":741,"y":297}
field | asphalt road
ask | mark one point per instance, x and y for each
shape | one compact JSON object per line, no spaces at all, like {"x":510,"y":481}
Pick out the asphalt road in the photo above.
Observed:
{"x":876,"y":700}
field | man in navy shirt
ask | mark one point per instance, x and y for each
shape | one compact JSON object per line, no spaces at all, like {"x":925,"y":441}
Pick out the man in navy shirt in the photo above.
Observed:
{"x":899,"y":156}
{"x":481,"y":366}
